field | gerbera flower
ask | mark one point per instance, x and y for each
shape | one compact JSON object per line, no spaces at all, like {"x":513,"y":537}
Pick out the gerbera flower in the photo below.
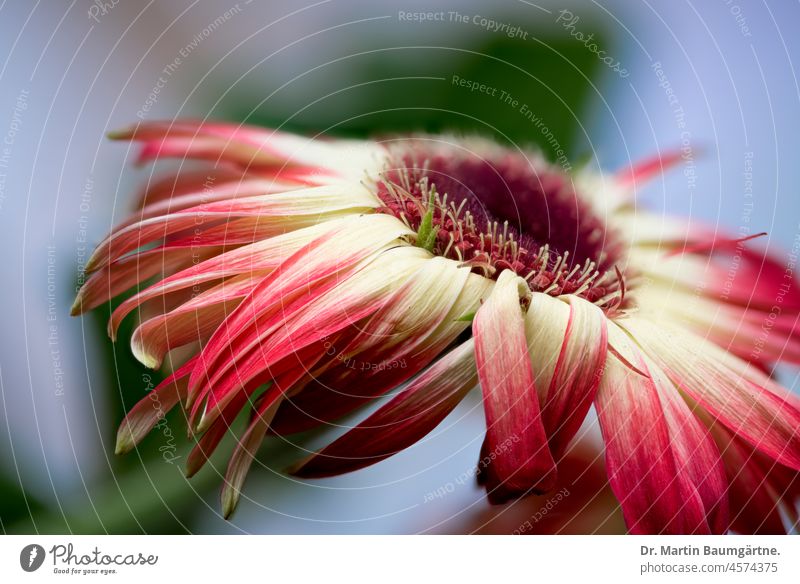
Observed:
{"x":308,"y":277}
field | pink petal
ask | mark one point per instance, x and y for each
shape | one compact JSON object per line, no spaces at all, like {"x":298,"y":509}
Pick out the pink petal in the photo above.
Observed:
{"x":415,"y":324}
{"x":208,"y":442}
{"x":256,"y":260}
{"x":514,"y":427}
{"x":316,"y":202}
{"x":663,"y":466}
{"x":247,"y":145}
{"x":285,"y":375}
{"x":121,"y":275}
{"x":315,"y":293}
{"x":239,"y":188}
{"x":292,"y":369}
{"x":407,"y":418}
{"x":192,"y":321}
{"x":743,"y":399}
{"x":567,"y":342}
{"x":182,"y":182}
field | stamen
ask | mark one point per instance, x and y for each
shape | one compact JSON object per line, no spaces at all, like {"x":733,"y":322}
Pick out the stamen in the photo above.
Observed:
{"x":471,"y":223}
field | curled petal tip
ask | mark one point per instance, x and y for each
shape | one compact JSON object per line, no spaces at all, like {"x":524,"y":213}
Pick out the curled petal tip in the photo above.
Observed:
{"x":92,"y":264}
{"x":124,"y":443}
{"x":205,"y":423}
{"x":121,"y":134}
{"x":229,"y":500}
{"x":191,"y":468}
{"x":77,"y":306}
{"x":147,"y":359}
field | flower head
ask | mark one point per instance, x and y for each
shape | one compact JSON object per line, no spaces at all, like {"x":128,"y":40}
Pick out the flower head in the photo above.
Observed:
{"x":308,"y":277}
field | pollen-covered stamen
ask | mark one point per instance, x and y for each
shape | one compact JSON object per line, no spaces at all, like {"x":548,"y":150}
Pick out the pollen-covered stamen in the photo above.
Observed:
{"x":504,"y":212}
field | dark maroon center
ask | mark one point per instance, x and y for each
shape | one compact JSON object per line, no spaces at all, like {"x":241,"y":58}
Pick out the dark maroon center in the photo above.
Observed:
{"x":496,"y":209}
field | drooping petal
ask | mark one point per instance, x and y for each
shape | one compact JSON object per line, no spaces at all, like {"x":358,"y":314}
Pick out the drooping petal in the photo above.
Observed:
{"x":117,"y":277}
{"x":663,"y":466}
{"x":207,"y":443}
{"x":743,"y":399}
{"x":310,"y":272}
{"x":404,"y":420}
{"x":257,"y":259}
{"x":289,"y":328}
{"x":284,"y":211}
{"x":341,"y":389}
{"x":515,"y":431}
{"x":250,"y":147}
{"x":293,"y":367}
{"x":192,"y":321}
{"x":567,"y":342}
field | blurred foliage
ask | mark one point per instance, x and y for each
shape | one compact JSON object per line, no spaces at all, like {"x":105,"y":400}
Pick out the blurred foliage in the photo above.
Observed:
{"x":15,"y":505}
{"x":553,"y":78}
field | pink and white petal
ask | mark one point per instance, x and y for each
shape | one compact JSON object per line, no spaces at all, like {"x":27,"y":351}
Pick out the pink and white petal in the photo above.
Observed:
{"x":250,"y":146}
{"x":655,"y":237}
{"x":762,"y":279}
{"x":339,"y":390}
{"x":256,"y":260}
{"x":722,"y":267}
{"x":663,"y":466}
{"x":240,"y":188}
{"x":328,"y":311}
{"x":310,"y":272}
{"x":743,"y":399}
{"x":403,"y":421}
{"x":410,"y":315}
{"x":184,"y":181}
{"x":316,"y":202}
{"x":293,"y":368}
{"x":289,"y":328}
{"x":751,"y":334}
{"x":413,"y":325}
{"x":192,"y":321}
{"x":567,"y":342}
{"x":121,"y":275}
{"x":285,"y":375}
{"x":515,"y":431}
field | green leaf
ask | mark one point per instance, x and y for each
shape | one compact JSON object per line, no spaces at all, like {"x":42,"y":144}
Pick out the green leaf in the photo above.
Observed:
{"x":549,"y":78}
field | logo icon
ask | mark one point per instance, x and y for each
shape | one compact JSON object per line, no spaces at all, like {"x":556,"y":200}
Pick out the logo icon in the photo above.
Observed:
{"x":31,"y":557}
